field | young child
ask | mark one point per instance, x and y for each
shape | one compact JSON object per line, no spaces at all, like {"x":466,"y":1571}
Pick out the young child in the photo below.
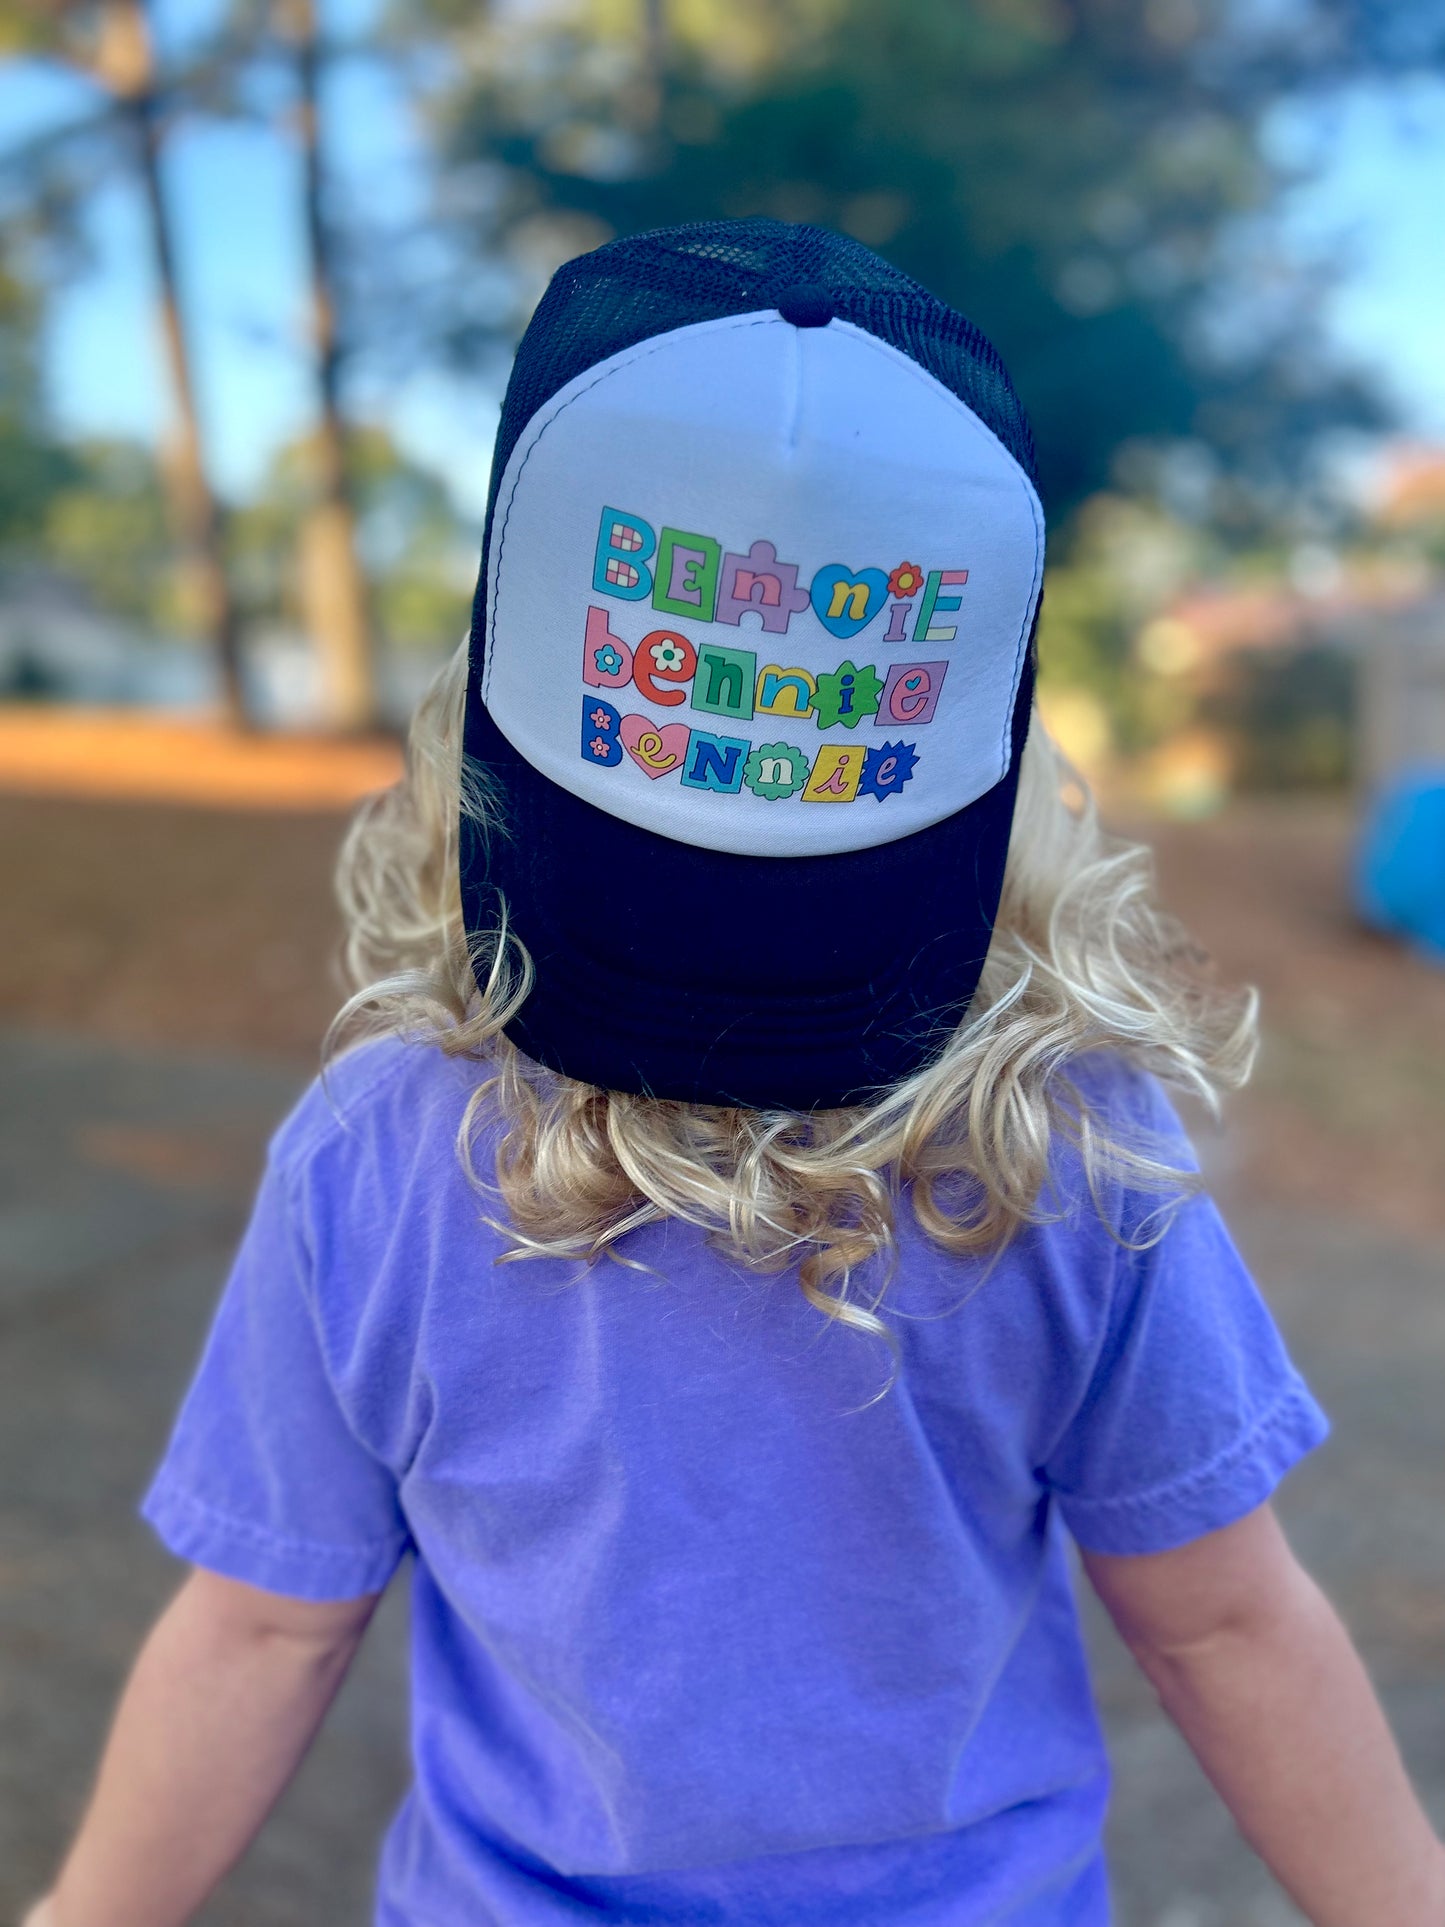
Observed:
{"x":800,"y":985}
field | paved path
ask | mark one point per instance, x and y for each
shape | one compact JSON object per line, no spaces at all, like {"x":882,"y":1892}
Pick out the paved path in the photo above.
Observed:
{"x":124,"y":1181}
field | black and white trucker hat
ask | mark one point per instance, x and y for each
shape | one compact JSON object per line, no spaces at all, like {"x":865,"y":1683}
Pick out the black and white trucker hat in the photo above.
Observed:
{"x":751,"y":666}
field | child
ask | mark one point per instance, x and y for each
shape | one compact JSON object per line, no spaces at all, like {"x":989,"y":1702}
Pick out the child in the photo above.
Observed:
{"x":740,"y":1583}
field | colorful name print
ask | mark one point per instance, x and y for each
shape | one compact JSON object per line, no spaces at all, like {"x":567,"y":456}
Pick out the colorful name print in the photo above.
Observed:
{"x":846,"y":695}
{"x":689,"y":574}
{"x":688,"y":565}
{"x":911,"y":692}
{"x":726,"y":681}
{"x":834,"y":773}
{"x":843,"y":771}
{"x":601,"y":734}
{"x":886,"y":769}
{"x":784,"y":692}
{"x":776,"y":770}
{"x":656,"y":748}
{"x":845,"y":603}
{"x":835,"y":776}
{"x":715,"y":762}
{"x":925,"y":629}
{"x":661,"y":661}
{"x":759,"y":583}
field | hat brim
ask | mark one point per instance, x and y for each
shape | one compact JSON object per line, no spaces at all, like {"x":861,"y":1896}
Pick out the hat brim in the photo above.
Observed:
{"x":789,"y":983}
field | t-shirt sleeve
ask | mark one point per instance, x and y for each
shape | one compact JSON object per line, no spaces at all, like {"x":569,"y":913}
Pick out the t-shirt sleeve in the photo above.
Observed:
{"x":1193,"y":1412}
{"x":264,"y":1481}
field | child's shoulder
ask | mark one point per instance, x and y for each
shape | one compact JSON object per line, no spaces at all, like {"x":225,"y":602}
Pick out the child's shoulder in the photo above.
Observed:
{"x":1122,"y":1098}
{"x":1135,"y":1135}
{"x":387,"y":1102}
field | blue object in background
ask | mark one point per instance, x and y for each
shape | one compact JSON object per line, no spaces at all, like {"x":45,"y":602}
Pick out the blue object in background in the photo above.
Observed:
{"x":1400,"y":869}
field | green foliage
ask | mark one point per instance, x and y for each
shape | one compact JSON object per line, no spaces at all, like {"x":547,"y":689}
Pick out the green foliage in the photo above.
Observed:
{"x":107,"y":527}
{"x":418,"y":553}
{"x":92,"y":509}
{"x":1120,"y":562}
{"x":29,"y":29}
{"x":32,"y":467}
{"x":1087,"y":181}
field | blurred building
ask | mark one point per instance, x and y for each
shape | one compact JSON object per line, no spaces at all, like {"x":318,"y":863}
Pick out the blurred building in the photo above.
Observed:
{"x":1326,"y":672}
{"x":1401,"y":701}
{"x":56,"y":645}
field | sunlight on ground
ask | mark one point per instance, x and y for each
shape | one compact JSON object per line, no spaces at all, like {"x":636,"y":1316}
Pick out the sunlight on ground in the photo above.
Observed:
{"x":162,"y":758}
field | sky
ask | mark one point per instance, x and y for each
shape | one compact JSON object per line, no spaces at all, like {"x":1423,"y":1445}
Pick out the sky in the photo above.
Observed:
{"x":1378,"y":186}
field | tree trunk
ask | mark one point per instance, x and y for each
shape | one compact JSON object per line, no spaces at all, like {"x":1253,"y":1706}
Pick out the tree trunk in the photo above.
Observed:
{"x":127,"y":64}
{"x":333,"y":587}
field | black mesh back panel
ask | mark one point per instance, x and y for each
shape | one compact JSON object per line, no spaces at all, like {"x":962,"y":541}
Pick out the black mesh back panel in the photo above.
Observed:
{"x":647,"y":284}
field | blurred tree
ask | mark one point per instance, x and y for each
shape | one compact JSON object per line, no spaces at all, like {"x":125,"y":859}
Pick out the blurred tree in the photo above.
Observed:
{"x":110,"y":42}
{"x":333,"y":585}
{"x":1088,"y":179}
{"x":1097,"y":183}
{"x":32,"y":467}
{"x":420,"y":556}
{"x":228,"y":70}
{"x":1127,"y":559}
{"x":107,"y":526}
{"x":93,"y":509}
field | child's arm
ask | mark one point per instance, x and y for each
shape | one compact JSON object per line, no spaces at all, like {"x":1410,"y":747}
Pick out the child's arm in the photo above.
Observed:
{"x":227,"y":1693}
{"x":1251,"y":1663}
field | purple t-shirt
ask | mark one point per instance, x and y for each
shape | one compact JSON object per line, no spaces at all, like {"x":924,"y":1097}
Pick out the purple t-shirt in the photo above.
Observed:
{"x":699,"y":1634}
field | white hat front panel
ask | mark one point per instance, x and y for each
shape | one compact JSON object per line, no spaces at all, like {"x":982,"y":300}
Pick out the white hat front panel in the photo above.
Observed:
{"x":762,"y":589}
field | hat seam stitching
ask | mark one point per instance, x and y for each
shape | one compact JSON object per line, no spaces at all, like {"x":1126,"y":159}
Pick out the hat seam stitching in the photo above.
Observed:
{"x":1035,"y":509}
{"x":652,"y":346}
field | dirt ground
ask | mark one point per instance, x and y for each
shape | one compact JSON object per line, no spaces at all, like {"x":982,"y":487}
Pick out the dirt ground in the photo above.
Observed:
{"x":181,"y":925}
{"x":1347,"y":1107}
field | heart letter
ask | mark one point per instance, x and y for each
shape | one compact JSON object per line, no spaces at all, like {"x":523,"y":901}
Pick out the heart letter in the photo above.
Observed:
{"x":654,"y":747}
{"x":845,"y":603}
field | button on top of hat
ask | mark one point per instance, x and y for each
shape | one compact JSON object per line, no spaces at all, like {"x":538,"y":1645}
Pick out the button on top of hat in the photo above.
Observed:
{"x":806,"y":306}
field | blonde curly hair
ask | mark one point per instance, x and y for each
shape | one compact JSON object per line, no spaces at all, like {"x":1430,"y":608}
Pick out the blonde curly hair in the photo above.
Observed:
{"x":1081,"y":961}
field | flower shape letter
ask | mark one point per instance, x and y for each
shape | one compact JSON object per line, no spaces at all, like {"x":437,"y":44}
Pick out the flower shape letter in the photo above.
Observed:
{"x":906,"y":579}
{"x":776,"y":769}
{"x":846,"y":696}
{"x":668,"y":655}
{"x":886,"y":769}
{"x":607,"y":660}
{"x":600,"y":719}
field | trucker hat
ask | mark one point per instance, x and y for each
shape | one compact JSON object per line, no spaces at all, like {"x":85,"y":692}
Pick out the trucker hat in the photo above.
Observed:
{"x":751,"y":666}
